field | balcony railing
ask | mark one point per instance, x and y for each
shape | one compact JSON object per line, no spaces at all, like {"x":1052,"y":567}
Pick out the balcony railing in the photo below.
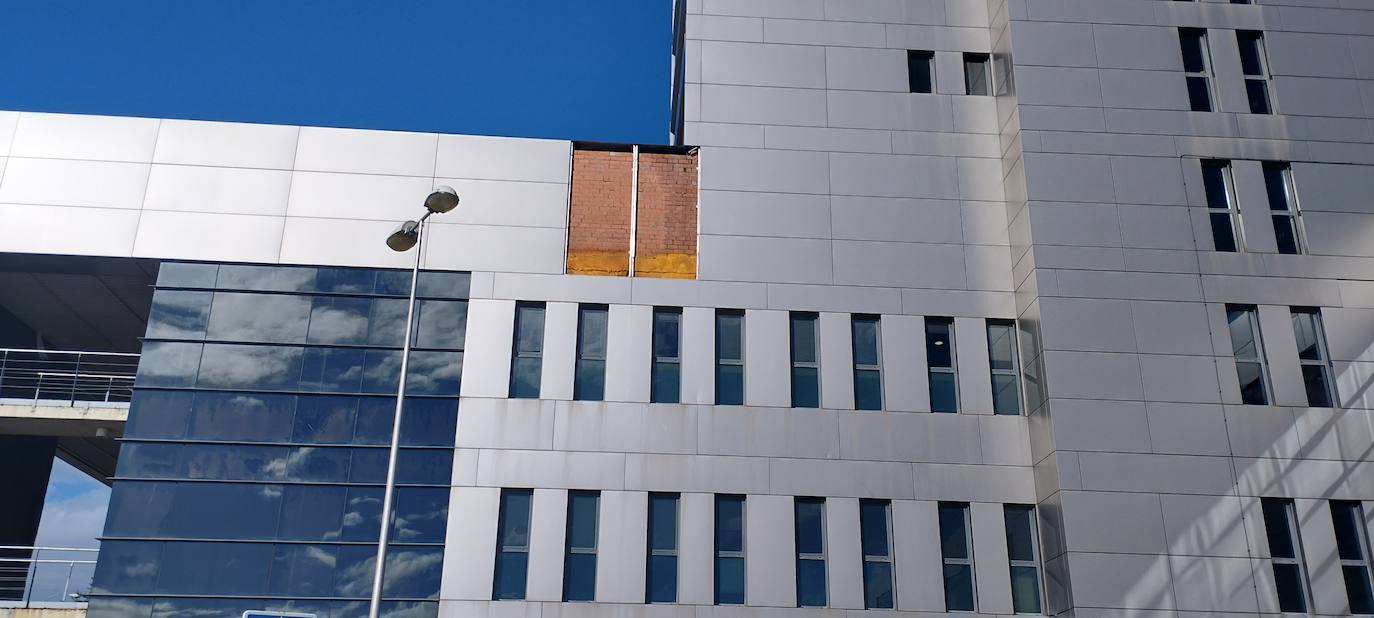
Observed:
{"x":73,"y":378}
{"x":35,"y":576}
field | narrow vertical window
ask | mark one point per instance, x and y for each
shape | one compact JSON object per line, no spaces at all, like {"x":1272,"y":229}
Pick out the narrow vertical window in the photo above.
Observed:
{"x":944,"y":382}
{"x":1314,"y":358}
{"x":1254,"y":64}
{"x":1251,"y":367}
{"x":730,"y":550}
{"x":977,"y":74}
{"x":662,"y":570}
{"x":1197,"y":67}
{"x":1352,"y":544}
{"x":527,"y":357}
{"x":729,"y":357}
{"x":1285,"y":552}
{"x":810,"y":521}
{"x":1283,"y":206}
{"x":868,"y":366}
{"x":1222,"y":213}
{"x":806,"y":366}
{"x":512,"y":544}
{"x":920,"y":70}
{"x":579,"y":564}
{"x":1024,"y":553}
{"x":956,"y":550}
{"x":875,"y":532}
{"x":1006,"y":388}
{"x":590,"y":381}
{"x":666,"y":385}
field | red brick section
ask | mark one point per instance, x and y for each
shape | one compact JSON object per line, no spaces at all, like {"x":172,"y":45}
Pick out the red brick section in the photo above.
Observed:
{"x":599,"y":218}
{"x":666,"y":230}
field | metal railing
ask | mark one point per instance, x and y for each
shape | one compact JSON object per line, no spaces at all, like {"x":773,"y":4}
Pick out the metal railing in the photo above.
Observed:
{"x":67,"y":376}
{"x":45,"y":574}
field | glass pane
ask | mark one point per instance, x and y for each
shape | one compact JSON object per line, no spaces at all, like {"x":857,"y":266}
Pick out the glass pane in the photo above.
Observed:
{"x":1276,"y":187}
{"x":434,"y":373}
{"x":148,"y":460}
{"x":529,"y":329}
{"x":250,"y":367}
{"x":729,"y":581}
{"x":1357,"y":589}
{"x":729,"y":385}
{"x":423,"y":466}
{"x":1223,"y":236}
{"x":1285,"y":235}
{"x":806,"y":390}
{"x":515,"y":519}
{"x":1305,"y":331}
{"x":591,"y":332}
{"x":311,"y":512}
{"x":1347,"y":520}
{"x":246,"y":417}
{"x":1315,"y":382}
{"x":421,"y":515}
{"x":434,"y":284}
{"x":920,"y":71}
{"x":362,"y":520}
{"x":1005,"y":398}
{"x":666,"y":386}
{"x":346,"y":280}
{"x":440,"y":324}
{"x":729,"y":336}
{"x":811,"y":583}
{"x":579,"y":577}
{"x":266,"y":278}
{"x":1025,"y":590}
{"x":803,"y":339}
{"x":524,"y":378}
{"x":1288,"y":582}
{"x":873,"y":527}
{"x":429,"y":422}
{"x":511,"y":567}
{"x":582,"y":514}
{"x":1276,"y":528}
{"x":591,"y":380}
{"x":374,"y":423}
{"x":127,"y":567}
{"x":1251,"y":383}
{"x":302,"y":570}
{"x":381,"y":371}
{"x":1250,"y":54}
{"x":662,"y":521}
{"x":976,"y":74}
{"x":1240,"y":324}
{"x":865,"y":338}
{"x":810,"y":522}
{"x":214,"y":568}
{"x":944,"y":393}
{"x":958,"y":588}
{"x":158,"y":414}
{"x":729,"y":523}
{"x":388,"y":321}
{"x":268,"y":318}
{"x":139,"y":508}
{"x":1020,"y":533}
{"x":1257,"y":90}
{"x":168,"y":364}
{"x":953,"y":542}
{"x":1199,"y":95}
{"x":181,"y":274}
{"x":120,"y":607}
{"x":1190,"y":43}
{"x":1214,"y":184}
{"x":339,"y":320}
{"x":878,"y":585}
{"x":1002,"y":346}
{"x":353,"y":574}
{"x":868,"y":389}
{"x":178,"y":315}
{"x":662,"y":576}
{"x":939,"y":343}
{"x":332,"y":370}
{"x":666,"y":333}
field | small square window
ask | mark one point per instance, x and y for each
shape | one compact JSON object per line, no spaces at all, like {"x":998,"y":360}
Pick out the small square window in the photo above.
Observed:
{"x":977,"y":74}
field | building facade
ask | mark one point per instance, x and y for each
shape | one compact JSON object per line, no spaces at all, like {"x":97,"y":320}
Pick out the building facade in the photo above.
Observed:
{"x":989,"y":306}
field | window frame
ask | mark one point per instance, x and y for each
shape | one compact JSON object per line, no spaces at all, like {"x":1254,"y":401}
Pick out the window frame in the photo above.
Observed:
{"x":581,"y":355}
{"x":889,"y":559}
{"x":1323,"y":359}
{"x":721,"y":361}
{"x":821,"y":557}
{"x":1264,"y":77}
{"x":516,"y":354}
{"x":946,"y":561}
{"x":662,"y":362}
{"x":952,"y":369}
{"x":925,"y":57}
{"x":1260,"y":358}
{"x":1292,"y":210}
{"x":1295,"y":541}
{"x":1036,"y":557}
{"x":569,"y":549}
{"x":1208,"y":71}
{"x":1232,"y":207}
{"x":653,"y":552}
{"x":1356,"y":508}
{"x":877,"y":321}
{"x":501,"y":550}
{"x":984,"y":59}
{"x":1014,"y":373}
{"x":814,"y":320}
{"x":718,"y":553}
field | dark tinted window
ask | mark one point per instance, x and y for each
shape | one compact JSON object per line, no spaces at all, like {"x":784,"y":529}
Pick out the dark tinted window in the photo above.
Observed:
{"x":920,"y":67}
{"x":666,"y":386}
{"x":179,"y":314}
{"x":590,"y":381}
{"x":729,"y":357}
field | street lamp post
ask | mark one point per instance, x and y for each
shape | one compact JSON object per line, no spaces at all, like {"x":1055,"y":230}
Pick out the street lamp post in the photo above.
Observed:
{"x":410,"y":234}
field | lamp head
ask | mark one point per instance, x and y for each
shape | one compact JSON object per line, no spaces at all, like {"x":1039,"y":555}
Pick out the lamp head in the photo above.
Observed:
{"x":442,"y":200}
{"x":404,"y":237}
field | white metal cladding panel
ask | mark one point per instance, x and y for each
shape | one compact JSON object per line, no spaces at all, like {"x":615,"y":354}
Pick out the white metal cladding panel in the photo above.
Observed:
{"x":560,"y":351}
{"x":487,"y":354}
{"x":97,"y":138}
{"x":837,"y":361}
{"x":361,"y":151}
{"x":548,"y":527}
{"x":628,"y":353}
{"x":206,"y":236}
{"x":470,"y":551}
{"x":843,"y":553}
{"x":696,"y":548}
{"x":622,"y":547}
{"x":699,"y":355}
{"x":226,"y":144}
{"x":770,"y":547}
{"x":916,"y":549}
{"x":992,"y":572}
{"x":767,"y":354}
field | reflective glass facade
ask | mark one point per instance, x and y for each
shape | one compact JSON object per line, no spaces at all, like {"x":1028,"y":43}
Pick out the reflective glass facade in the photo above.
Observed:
{"x":252,"y":471}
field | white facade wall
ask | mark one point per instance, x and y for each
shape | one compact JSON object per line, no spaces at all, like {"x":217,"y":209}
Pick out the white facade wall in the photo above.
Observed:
{"x":1073,"y":204}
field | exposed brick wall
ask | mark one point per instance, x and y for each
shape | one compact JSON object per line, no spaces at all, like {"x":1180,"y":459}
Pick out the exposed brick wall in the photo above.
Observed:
{"x":666,"y":229}
{"x":599,"y":217}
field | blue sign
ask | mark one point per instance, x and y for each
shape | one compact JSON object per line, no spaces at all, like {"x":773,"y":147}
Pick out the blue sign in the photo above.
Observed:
{"x":265,"y":614}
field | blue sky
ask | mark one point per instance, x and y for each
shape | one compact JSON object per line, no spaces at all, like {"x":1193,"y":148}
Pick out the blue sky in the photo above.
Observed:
{"x":580,"y":69}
